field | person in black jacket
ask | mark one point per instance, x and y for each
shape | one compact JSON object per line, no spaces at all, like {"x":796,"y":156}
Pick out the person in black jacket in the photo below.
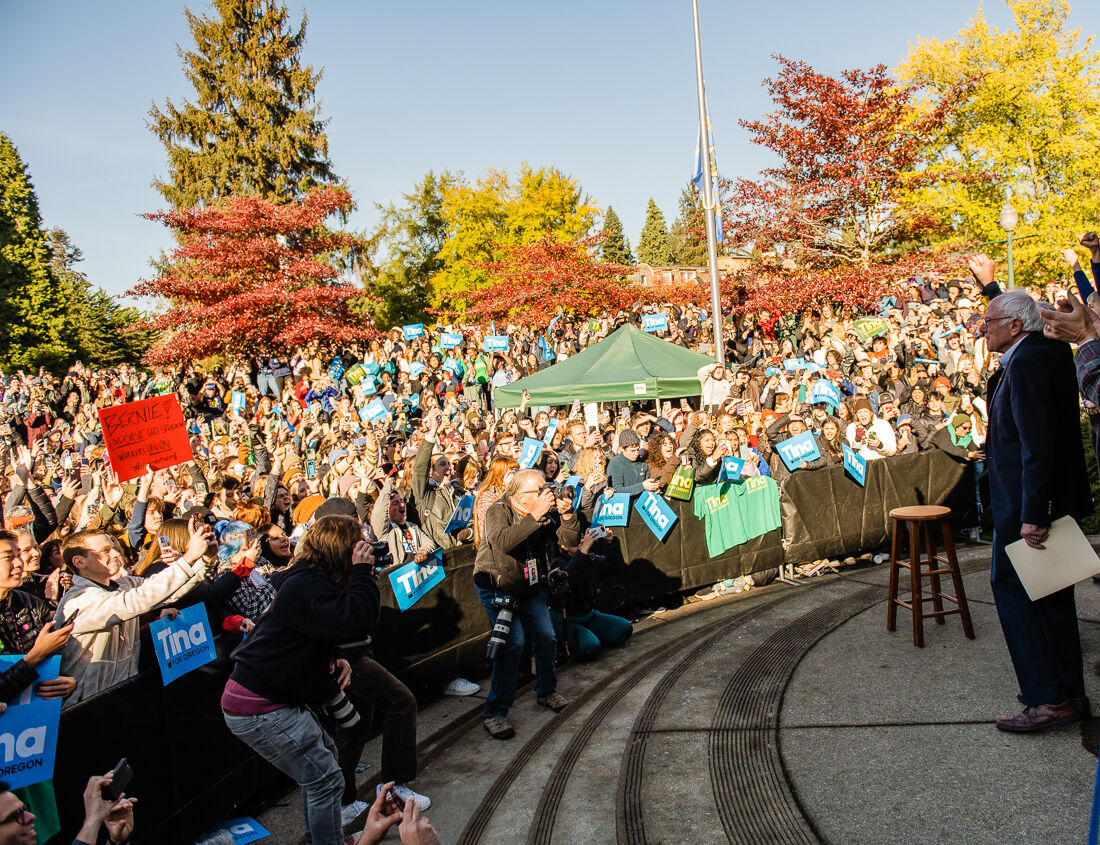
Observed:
{"x":327,"y":597}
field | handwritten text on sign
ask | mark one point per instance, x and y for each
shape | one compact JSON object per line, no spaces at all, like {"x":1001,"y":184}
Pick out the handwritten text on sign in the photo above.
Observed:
{"x":184,"y":643}
{"x":151,"y":432}
{"x":28,"y":729}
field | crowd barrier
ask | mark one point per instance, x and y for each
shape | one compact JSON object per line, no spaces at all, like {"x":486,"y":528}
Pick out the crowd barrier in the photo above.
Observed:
{"x":191,"y":773}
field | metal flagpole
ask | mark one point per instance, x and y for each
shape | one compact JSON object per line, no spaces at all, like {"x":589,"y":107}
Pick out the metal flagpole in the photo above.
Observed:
{"x":709,"y":200}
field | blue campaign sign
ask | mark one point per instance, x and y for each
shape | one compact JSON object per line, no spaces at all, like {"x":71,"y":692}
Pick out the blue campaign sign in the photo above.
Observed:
{"x":28,"y":729}
{"x":532,"y":448}
{"x":451,"y":365}
{"x":656,"y":514}
{"x":795,"y":450}
{"x":855,"y":464}
{"x":413,"y":331}
{"x":825,"y":391}
{"x":416,"y":368}
{"x":771,"y":371}
{"x":496,"y":343}
{"x":731,"y":469}
{"x":243,"y":830}
{"x":577,"y":483}
{"x":369,"y":386}
{"x":238,"y":400}
{"x":373,"y":411}
{"x":551,"y":429}
{"x":654,"y":322}
{"x":413,"y":581}
{"x":184,"y":643}
{"x":463,"y":513}
{"x":614,"y":511}
{"x":792,"y":365}
{"x":449,"y":340}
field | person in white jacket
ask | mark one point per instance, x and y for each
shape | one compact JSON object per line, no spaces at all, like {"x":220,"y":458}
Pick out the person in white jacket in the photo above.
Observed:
{"x":716,"y":389}
{"x":870,"y":436}
{"x":103,"y":650}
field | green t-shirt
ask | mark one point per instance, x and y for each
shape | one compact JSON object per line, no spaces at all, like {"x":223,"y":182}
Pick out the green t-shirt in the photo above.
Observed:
{"x":733,"y":512}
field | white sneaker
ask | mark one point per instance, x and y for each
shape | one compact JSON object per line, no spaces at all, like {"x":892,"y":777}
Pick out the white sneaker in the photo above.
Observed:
{"x":353,"y":811}
{"x":460,"y":686}
{"x":406,"y":795}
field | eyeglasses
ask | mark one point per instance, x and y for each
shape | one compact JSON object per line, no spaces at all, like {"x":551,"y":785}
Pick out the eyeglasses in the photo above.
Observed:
{"x":20,"y":816}
{"x":985,"y":320}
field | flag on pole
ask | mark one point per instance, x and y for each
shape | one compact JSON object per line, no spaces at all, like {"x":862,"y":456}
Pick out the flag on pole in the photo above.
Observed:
{"x":697,"y":179}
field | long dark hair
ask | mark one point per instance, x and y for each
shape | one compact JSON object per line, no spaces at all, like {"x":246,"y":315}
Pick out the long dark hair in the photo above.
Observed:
{"x":327,"y":547}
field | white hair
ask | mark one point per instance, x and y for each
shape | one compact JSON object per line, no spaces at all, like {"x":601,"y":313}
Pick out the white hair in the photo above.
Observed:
{"x":1019,"y":305}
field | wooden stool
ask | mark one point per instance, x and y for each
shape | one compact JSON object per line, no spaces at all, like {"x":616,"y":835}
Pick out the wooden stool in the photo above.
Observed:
{"x":917,"y":519}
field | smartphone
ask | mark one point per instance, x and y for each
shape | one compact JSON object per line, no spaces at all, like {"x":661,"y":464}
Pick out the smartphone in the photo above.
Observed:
{"x":165,"y":543}
{"x":311,"y":469}
{"x":170,"y":483}
{"x":250,"y":536}
{"x":123,"y":774}
{"x":397,"y":802}
{"x":65,"y":623}
{"x":200,"y":488}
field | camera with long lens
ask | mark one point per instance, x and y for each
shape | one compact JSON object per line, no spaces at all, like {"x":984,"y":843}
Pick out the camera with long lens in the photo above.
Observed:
{"x":505,"y":606}
{"x":382,"y":556}
{"x":339,"y":708}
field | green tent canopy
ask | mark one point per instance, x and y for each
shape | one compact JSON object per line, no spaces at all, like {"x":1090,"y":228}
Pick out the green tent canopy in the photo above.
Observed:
{"x":629,"y":364}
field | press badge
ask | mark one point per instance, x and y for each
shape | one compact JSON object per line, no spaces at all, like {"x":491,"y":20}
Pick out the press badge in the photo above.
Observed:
{"x":531,"y":572}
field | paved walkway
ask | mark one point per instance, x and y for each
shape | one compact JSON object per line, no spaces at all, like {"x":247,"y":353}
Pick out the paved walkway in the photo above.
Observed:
{"x":782,"y":715}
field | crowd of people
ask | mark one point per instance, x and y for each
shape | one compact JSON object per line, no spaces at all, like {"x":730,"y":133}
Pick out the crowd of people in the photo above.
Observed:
{"x":308,"y":468}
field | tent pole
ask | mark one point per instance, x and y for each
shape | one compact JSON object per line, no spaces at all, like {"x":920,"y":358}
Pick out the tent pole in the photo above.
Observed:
{"x":709,"y":200}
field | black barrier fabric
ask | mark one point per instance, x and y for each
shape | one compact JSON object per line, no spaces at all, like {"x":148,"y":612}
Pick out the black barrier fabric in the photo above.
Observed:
{"x":191,"y":773}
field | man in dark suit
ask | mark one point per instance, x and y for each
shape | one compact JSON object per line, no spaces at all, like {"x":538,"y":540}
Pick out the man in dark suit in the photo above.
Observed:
{"x":1037,"y":474}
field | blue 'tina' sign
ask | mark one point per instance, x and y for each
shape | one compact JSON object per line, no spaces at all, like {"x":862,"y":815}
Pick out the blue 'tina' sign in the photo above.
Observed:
{"x":656,"y":514}
{"x":413,"y":581}
{"x":183,"y":644}
{"x":532,"y":448}
{"x":28,"y":729}
{"x":856,"y":465}
{"x":654,"y":322}
{"x":795,"y":450}
{"x":496,"y":343}
{"x":243,"y":830}
{"x":413,"y":331}
{"x":612,"y":511}
{"x":462,"y":514}
{"x":731,"y":469}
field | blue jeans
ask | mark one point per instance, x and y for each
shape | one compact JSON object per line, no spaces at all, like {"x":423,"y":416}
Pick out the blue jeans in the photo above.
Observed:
{"x":533,"y":619}
{"x":266,"y":384}
{"x":293,"y":741}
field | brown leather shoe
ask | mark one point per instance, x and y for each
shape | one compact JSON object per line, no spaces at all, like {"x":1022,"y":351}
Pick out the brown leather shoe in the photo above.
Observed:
{"x":1082,"y":704}
{"x":1043,"y":716}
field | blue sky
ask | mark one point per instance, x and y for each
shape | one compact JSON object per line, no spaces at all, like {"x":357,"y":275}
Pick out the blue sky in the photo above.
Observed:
{"x":602,"y":89}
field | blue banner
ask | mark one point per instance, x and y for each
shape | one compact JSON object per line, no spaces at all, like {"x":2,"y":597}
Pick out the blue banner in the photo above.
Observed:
{"x":656,"y":513}
{"x":373,"y":411}
{"x":416,"y":368}
{"x":413,"y":581}
{"x":532,"y":448}
{"x":551,"y":430}
{"x":772,"y":371}
{"x":856,"y":465}
{"x":463,"y":513}
{"x":496,"y":343}
{"x":654,"y":322}
{"x":731,"y":469}
{"x":452,"y":366}
{"x":413,"y":331}
{"x":28,"y":729}
{"x":238,"y":400}
{"x":614,"y":511}
{"x":825,"y":391}
{"x":577,"y":483}
{"x":449,"y":340}
{"x":183,"y":644}
{"x":795,"y":450}
{"x":792,"y":365}
{"x":243,"y":830}
{"x":368,"y":385}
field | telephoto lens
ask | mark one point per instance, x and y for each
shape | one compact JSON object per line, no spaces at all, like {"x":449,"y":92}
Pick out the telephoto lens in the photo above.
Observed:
{"x":382,"y":556}
{"x":505,"y":606}
{"x":340,"y":708}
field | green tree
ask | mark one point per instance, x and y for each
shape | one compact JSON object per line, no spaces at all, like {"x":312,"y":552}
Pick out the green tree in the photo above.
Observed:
{"x":689,"y":236}
{"x":32,"y":308}
{"x":496,"y":212}
{"x":1026,"y":120}
{"x":653,"y":245}
{"x":616,"y":247}
{"x":254,"y":128}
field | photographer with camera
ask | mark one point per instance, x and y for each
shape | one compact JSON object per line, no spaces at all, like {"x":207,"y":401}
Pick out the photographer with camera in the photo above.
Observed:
{"x":327,"y":596}
{"x":522,"y":535}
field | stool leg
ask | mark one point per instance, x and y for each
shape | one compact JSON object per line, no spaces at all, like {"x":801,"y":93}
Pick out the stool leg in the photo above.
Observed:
{"x":937,"y":588}
{"x":914,"y":581}
{"x":956,"y":578}
{"x":892,"y":603}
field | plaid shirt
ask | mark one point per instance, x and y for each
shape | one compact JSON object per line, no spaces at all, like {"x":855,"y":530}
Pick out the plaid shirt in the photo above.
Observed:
{"x":1088,"y":370}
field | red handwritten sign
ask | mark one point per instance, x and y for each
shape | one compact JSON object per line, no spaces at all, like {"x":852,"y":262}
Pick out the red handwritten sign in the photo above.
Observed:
{"x":151,"y":432}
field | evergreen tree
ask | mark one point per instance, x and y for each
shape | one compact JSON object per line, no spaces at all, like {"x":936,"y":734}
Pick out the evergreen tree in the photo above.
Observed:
{"x":32,"y":308}
{"x":689,"y":235}
{"x":653,"y":245}
{"x":616,"y":248}
{"x":254,"y":128}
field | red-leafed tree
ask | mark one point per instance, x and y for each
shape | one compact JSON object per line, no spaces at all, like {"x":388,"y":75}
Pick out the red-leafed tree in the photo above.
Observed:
{"x":532,"y":280}
{"x":848,"y":149}
{"x":251,"y":277}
